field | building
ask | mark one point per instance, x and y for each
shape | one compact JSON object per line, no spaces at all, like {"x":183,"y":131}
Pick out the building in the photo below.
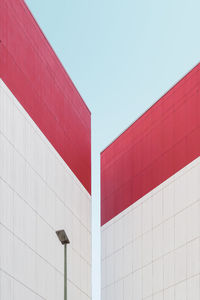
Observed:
{"x":45,"y":166}
{"x":150,"y":201}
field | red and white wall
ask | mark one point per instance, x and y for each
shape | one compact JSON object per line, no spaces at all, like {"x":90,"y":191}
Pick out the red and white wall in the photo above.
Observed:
{"x":45,"y":167}
{"x":150,"y":202}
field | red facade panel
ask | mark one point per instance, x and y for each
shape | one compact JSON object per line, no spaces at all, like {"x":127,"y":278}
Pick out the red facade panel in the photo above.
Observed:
{"x":161,"y":142}
{"x":33,"y":73}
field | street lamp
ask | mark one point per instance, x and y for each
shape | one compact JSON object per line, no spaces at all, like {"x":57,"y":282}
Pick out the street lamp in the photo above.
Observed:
{"x":63,"y":238}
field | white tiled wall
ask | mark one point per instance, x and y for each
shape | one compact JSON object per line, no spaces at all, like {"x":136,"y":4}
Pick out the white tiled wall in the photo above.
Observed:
{"x":151,"y":251}
{"x":39,"y":195}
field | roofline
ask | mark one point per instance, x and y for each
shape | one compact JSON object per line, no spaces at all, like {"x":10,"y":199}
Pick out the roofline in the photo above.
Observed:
{"x":59,"y":61}
{"x":198,"y":64}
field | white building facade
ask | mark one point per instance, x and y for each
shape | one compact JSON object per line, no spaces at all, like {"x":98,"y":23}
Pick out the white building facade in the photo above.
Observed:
{"x":152,"y":249}
{"x":151,"y":230}
{"x":43,"y":187}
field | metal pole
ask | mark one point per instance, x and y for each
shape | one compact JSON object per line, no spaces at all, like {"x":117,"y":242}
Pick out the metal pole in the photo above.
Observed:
{"x":65,"y":272}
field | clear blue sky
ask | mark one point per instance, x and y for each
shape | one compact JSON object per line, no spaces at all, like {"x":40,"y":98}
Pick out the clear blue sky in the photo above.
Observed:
{"x":122,"y":56}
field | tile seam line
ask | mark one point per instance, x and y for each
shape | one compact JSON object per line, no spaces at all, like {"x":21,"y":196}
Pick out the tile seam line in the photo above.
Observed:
{"x":50,"y":48}
{"x":24,"y":285}
{"x":42,"y":139}
{"x":43,"y":219}
{"x":39,"y":255}
{"x":157,"y":292}
{"x":58,"y":197}
{"x":28,"y":288}
{"x":187,"y":76}
{"x":48,"y":144}
{"x":153,"y":259}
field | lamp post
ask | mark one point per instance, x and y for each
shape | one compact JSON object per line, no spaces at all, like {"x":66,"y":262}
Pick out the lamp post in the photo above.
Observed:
{"x":63,"y":238}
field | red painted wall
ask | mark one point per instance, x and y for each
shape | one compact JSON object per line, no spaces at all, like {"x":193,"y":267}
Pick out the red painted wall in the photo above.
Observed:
{"x":33,"y":73}
{"x":161,"y":142}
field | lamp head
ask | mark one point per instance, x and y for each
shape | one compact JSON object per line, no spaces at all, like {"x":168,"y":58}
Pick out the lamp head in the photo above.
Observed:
{"x":62,"y":237}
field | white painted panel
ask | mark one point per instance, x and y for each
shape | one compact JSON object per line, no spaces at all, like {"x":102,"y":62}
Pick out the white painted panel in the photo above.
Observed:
{"x":164,"y":235}
{"x":193,"y":258}
{"x":39,"y":194}
{"x":169,"y":294}
{"x":6,"y":286}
